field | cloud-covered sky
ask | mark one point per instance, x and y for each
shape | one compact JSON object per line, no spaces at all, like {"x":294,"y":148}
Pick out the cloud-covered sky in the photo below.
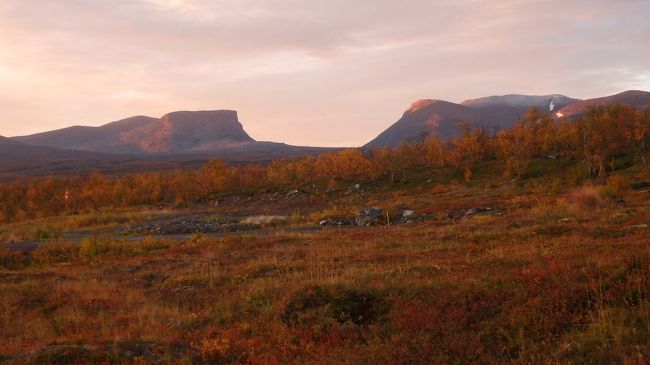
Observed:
{"x":306,"y":72}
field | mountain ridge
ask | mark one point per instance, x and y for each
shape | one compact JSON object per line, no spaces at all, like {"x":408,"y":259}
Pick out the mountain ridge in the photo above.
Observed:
{"x":219,"y":131}
{"x":426,"y":117}
{"x":635,"y":98}
{"x":520,"y":101}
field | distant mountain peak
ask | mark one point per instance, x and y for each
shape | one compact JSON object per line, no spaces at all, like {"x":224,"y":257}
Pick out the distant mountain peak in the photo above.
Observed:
{"x":421,"y":104}
{"x":441,"y":118}
{"x":7,"y":141}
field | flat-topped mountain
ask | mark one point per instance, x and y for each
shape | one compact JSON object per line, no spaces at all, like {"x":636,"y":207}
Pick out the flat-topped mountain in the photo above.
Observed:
{"x":176,"y":140}
{"x":177,"y":132}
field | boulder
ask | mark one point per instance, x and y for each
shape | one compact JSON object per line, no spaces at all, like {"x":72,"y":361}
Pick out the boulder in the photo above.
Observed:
{"x":337,"y":221}
{"x":483,"y":210}
{"x":370,"y":216}
{"x":401,"y":207}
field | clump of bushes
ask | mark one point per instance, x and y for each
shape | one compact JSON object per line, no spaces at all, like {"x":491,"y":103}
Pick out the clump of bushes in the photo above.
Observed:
{"x":56,"y":253}
{"x":91,"y":248}
{"x":586,"y":198}
{"x":11,"y":260}
{"x":589,"y":197}
{"x":45,"y":234}
{"x":439,"y":189}
{"x":94,"y":248}
{"x":317,"y":304}
{"x":617,"y":186}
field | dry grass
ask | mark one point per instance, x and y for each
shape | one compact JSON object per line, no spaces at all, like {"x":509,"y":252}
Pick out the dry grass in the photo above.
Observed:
{"x":517,"y":288}
{"x":586,"y":198}
{"x":561,"y":277}
{"x":54,"y":227}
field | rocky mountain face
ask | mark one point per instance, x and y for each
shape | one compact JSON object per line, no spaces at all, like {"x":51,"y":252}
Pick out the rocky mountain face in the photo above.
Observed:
{"x":177,"y":132}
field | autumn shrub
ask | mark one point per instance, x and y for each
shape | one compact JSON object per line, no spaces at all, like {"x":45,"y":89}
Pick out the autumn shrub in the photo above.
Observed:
{"x":643,"y":175}
{"x":617,"y":336}
{"x":556,"y":186}
{"x":439,"y":189}
{"x":316,"y":304}
{"x":296,"y":217}
{"x":441,"y":216}
{"x":617,"y":186}
{"x":10,"y":259}
{"x":42,"y":233}
{"x":333,"y":212}
{"x":216,"y":350}
{"x":55,"y":253}
{"x":522,"y":202}
{"x":124,"y":352}
{"x":9,"y":235}
{"x":100,"y":219}
{"x":27,"y":231}
{"x":585,"y":198}
{"x":577,"y":174}
{"x":91,"y":248}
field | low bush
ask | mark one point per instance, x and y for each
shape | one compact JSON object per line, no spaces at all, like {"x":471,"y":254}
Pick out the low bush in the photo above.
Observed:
{"x":316,"y":304}
{"x":11,"y":260}
{"x":617,"y":186}
{"x":439,"y":189}
{"x":55,"y":253}
{"x":94,"y":247}
{"x":585,"y":198}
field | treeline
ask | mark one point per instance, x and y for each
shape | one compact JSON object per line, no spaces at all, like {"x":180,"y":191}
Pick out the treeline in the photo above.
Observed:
{"x":597,"y":138}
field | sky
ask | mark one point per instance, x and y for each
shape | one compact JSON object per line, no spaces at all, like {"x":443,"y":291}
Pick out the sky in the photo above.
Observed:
{"x":305,"y":72}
